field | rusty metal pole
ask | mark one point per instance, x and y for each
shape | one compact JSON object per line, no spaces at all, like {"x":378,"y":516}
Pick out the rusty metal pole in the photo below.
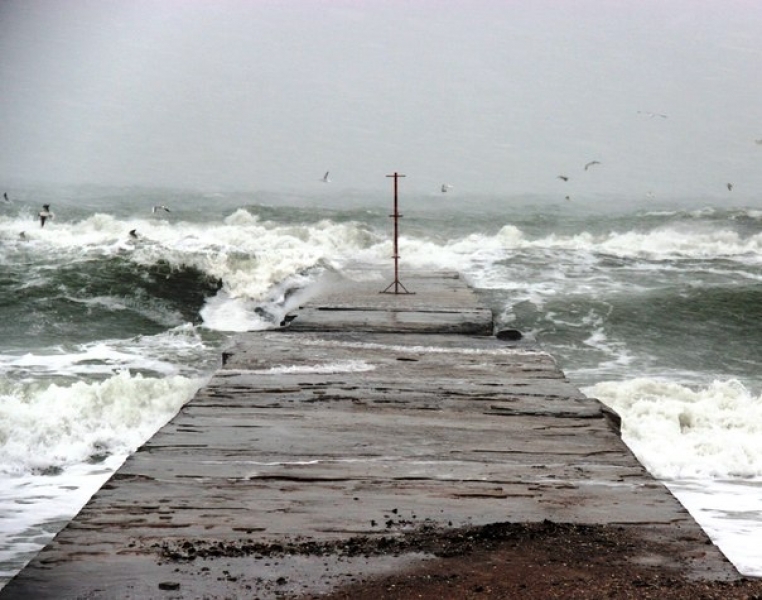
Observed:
{"x":397,"y":284}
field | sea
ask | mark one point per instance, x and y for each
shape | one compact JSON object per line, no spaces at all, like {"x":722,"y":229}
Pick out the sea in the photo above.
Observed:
{"x":651,"y":305}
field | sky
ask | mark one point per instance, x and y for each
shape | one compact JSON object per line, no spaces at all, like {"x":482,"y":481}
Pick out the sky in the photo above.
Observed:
{"x":489,"y":96}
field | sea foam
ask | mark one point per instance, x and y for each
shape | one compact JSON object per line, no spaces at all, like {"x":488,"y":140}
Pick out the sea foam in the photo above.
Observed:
{"x":680,"y":431}
{"x":45,"y":428}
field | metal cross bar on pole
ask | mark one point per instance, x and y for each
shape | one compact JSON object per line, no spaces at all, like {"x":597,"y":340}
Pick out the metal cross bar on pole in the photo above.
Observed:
{"x":396,"y":284}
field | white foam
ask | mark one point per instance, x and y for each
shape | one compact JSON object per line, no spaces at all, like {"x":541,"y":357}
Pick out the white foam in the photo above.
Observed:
{"x":243,"y":233}
{"x":707,"y":212}
{"x":49,"y":425}
{"x":705,"y":443}
{"x":679,"y":431}
{"x":661,"y":243}
{"x":223,"y":313}
{"x":60,"y":443}
{"x":672,"y":242}
{"x":250,"y":256}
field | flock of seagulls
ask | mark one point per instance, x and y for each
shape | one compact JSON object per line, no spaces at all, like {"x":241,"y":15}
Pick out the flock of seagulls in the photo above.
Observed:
{"x":650,"y":115}
{"x":596,"y":162}
{"x":445,"y":187}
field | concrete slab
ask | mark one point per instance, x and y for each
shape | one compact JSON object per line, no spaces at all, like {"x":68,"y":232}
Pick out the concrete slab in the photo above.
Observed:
{"x":436,"y":303}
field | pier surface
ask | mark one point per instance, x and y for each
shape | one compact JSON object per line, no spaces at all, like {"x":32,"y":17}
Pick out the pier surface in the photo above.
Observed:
{"x":319,"y":452}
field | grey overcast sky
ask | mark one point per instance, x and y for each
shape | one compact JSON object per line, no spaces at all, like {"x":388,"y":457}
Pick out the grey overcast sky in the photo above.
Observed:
{"x":490,"y":96}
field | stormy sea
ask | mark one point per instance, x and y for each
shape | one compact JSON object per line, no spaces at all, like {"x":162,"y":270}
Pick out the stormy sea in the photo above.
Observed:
{"x":118,"y":309}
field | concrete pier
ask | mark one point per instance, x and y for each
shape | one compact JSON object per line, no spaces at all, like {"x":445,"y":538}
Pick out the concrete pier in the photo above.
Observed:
{"x":367,"y":418}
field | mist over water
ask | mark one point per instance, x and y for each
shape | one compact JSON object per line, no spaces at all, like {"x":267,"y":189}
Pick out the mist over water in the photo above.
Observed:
{"x":490,"y":97}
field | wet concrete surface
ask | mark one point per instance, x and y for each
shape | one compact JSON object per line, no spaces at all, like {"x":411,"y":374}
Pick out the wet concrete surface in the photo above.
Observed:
{"x":311,"y":454}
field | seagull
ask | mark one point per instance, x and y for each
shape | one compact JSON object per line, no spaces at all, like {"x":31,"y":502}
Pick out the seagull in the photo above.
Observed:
{"x":133,"y":233}
{"x":591,"y":163}
{"x":651,"y":115}
{"x":5,"y":195}
{"x":730,"y":187}
{"x":564,"y":177}
{"x":446,"y":187}
{"x":161,"y":207}
{"x":325,"y":178}
{"x":45,"y":214}
{"x":568,"y":198}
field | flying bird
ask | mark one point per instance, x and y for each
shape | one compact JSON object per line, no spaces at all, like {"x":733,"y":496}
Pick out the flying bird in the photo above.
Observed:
{"x":730,"y":187}
{"x":5,"y":195}
{"x":325,"y":178}
{"x":564,"y":177}
{"x":45,"y":214}
{"x":161,"y":207}
{"x":134,"y":233}
{"x":591,"y":163}
{"x":446,"y":187}
{"x":651,"y":115}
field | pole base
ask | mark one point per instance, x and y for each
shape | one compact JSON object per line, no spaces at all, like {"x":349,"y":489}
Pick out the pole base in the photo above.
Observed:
{"x":396,"y":284}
